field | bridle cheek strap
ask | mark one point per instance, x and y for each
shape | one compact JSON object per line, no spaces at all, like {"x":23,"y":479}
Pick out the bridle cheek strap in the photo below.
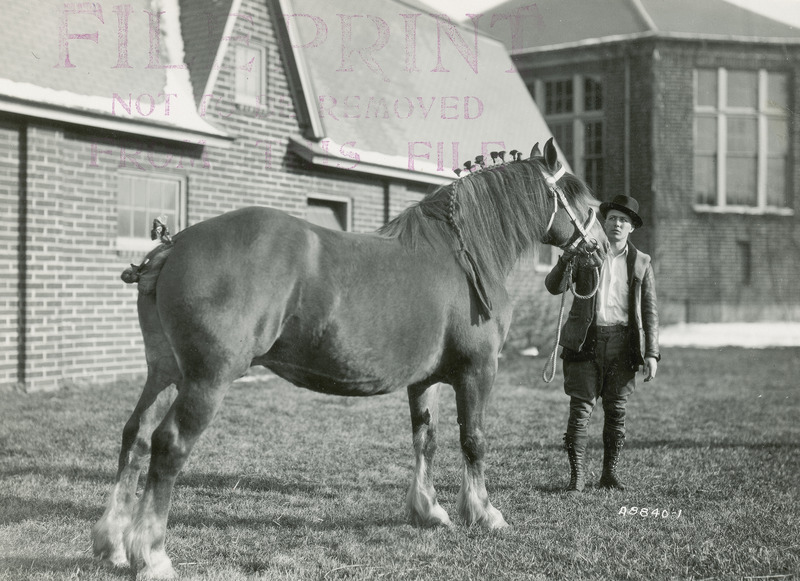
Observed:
{"x":582,"y":232}
{"x":555,"y":192}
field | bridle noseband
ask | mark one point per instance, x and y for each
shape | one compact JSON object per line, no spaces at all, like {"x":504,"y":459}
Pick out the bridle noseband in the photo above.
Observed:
{"x":581,"y":230}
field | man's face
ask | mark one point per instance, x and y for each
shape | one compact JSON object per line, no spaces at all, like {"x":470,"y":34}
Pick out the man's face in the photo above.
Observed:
{"x":617,"y":226}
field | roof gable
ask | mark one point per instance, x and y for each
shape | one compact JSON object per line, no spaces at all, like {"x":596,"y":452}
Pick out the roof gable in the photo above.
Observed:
{"x":396,"y":85}
{"x":203,"y":24}
{"x":109,"y":66}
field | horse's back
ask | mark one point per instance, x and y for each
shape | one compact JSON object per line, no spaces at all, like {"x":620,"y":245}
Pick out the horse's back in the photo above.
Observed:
{"x":338,"y":312}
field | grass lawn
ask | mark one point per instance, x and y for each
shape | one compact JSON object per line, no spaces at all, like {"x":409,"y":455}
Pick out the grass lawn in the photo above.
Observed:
{"x":288,"y":484}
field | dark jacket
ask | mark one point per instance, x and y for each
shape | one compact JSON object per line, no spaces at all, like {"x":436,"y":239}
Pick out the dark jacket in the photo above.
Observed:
{"x":577,"y":336}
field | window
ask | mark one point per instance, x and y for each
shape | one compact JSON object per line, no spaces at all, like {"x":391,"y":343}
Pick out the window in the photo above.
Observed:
{"x":573,"y":109}
{"x":741,"y":137}
{"x":140,"y":199}
{"x":329,"y":211}
{"x":251,"y":75}
{"x":564,"y":136}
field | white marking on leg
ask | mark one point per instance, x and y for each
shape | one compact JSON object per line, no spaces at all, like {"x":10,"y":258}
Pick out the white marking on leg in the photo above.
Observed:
{"x":473,"y":500}
{"x":422,"y":507}
{"x":107,"y":532}
{"x":144,"y":543}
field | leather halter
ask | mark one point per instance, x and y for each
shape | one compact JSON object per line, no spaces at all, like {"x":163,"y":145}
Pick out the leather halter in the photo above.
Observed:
{"x":581,"y":230}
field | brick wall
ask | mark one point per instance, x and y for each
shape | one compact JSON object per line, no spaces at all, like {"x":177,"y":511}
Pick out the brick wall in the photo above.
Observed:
{"x":700,"y":255}
{"x":80,"y":319}
{"x":697,"y":256}
{"x":9,"y":249}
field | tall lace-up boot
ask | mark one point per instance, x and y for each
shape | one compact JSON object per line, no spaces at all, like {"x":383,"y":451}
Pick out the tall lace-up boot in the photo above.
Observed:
{"x":612,"y":449}
{"x":576,"y":452}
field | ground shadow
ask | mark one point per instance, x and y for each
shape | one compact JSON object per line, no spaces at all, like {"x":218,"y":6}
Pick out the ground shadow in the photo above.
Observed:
{"x":62,"y":567}
{"x":17,"y":509}
{"x":678,"y":444}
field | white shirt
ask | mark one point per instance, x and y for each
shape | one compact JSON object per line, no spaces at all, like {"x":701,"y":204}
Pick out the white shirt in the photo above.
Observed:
{"x":612,"y":295}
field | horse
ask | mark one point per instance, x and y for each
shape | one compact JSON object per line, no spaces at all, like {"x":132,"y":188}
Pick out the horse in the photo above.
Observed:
{"x":418,"y":303}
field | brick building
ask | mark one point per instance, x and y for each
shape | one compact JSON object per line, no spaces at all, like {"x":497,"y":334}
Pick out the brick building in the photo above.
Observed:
{"x":691,"y":108}
{"x":112,"y":114}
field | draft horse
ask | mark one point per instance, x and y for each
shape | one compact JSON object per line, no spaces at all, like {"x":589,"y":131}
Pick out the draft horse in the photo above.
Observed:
{"x":420,"y":302}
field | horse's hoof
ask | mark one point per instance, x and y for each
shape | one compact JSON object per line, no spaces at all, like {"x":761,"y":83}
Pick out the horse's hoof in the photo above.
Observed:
{"x":116,"y":560}
{"x":437,"y":517}
{"x":498,"y":523}
{"x":160,"y":569}
{"x":493,"y":519}
{"x":109,"y":553}
{"x":490,"y":518}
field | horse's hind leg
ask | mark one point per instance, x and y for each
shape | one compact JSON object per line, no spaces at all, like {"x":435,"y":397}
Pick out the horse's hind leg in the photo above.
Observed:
{"x":191,"y":413}
{"x":107,"y":533}
{"x":421,"y":505}
{"x":472,"y":392}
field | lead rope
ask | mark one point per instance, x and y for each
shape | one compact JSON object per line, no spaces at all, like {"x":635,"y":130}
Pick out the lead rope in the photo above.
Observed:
{"x":548,"y":376}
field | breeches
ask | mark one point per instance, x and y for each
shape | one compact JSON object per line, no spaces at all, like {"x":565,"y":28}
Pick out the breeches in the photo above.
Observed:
{"x":610,"y":377}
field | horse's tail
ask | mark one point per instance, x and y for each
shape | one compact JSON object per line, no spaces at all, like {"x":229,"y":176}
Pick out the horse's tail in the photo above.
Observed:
{"x":146,"y":273}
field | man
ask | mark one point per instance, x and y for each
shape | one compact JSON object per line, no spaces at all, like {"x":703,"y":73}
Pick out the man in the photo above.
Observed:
{"x":606,"y":338}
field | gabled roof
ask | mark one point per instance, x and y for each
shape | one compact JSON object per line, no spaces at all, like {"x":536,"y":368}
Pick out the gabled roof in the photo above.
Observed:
{"x":204,"y":24}
{"x":552,"y":24}
{"x":404,"y":91}
{"x":74,"y":63}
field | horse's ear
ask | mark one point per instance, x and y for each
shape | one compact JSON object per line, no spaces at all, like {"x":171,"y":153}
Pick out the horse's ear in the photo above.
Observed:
{"x":536,"y":152}
{"x":550,"y":154}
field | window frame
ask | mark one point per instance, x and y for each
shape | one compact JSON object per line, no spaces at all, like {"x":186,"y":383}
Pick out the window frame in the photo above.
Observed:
{"x":762,"y":113}
{"x":144,"y":243}
{"x":346,"y":201}
{"x":242,"y":99}
{"x":579,"y":117}
{"x":576,"y":120}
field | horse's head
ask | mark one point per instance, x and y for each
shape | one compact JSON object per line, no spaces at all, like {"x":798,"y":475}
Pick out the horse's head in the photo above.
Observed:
{"x":573,"y":226}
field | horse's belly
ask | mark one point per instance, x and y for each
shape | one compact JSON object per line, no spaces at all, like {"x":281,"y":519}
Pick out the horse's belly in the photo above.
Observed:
{"x":323,"y":382}
{"x":344,"y":365}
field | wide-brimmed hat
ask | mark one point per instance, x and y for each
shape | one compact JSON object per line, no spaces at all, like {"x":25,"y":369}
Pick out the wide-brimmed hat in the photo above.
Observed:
{"x":626,"y":205}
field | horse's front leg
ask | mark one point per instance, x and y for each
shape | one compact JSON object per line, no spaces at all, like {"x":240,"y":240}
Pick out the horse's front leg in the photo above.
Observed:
{"x":472,"y":392}
{"x":108,"y":531}
{"x":421,"y":505}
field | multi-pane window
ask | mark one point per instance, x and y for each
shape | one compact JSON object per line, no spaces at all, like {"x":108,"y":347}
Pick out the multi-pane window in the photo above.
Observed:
{"x":573,"y":109}
{"x":593,"y":154}
{"x":741,"y":137}
{"x":592,"y":94}
{"x":140,"y":199}
{"x":251,"y":75}
{"x":558,"y":97}
{"x":563,"y":133}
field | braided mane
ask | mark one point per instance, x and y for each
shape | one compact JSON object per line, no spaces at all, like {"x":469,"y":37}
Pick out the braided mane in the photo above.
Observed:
{"x":501,"y":211}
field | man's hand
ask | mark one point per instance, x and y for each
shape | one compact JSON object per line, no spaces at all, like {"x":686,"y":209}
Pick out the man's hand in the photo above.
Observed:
{"x":582,"y":260}
{"x":650,"y":368}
